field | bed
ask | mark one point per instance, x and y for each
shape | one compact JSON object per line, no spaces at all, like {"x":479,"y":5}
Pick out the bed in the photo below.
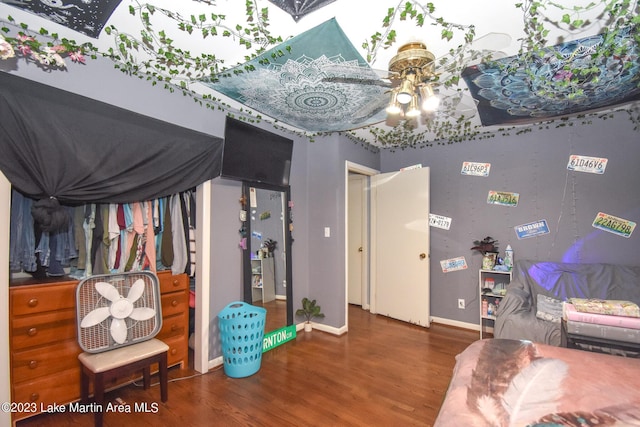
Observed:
{"x":504,"y":382}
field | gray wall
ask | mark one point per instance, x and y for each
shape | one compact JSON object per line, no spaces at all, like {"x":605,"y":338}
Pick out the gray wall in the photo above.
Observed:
{"x":533,"y":164}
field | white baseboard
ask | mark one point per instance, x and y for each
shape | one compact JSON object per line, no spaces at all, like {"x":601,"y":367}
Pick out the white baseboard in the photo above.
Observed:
{"x":218,"y":361}
{"x":456,"y":323}
{"x":324,"y":328}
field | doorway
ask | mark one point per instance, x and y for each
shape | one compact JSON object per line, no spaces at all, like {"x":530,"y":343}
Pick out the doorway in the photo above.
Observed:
{"x":393,"y":253}
{"x":357,"y":252}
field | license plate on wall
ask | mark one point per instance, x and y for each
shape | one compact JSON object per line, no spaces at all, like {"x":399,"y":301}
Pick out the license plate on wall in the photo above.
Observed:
{"x":615,"y":225}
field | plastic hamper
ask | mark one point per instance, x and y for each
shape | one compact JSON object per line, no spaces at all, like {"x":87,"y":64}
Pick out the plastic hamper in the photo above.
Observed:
{"x":241,"y":334}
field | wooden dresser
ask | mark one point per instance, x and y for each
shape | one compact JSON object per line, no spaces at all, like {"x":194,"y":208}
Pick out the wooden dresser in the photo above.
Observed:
{"x":43,"y":345}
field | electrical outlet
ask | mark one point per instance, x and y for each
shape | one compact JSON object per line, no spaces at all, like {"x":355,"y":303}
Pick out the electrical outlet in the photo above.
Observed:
{"x":461,"y":304}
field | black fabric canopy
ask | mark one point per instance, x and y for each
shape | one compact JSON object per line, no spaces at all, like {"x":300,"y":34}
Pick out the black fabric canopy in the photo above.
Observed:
{"x":58,"y":144}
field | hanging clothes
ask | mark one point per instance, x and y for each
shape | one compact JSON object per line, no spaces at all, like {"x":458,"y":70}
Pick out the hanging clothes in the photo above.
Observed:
{"x":22,"y":244}
{"x":106,"y":238}
{"x":179,"y":242}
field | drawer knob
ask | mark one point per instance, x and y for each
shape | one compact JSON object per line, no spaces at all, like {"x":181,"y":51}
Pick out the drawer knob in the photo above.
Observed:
{"x":174,"y":327}
{"x":33,"y":302}
{"x":33,"y":364}
{"x":32,"y":332}
{"x":34,"y":397}
{"x":176,"y":282}
{"x":174,"y":351}
{"x":174,"y":303}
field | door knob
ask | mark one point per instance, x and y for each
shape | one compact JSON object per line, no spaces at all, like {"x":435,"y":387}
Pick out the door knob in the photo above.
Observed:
{"x":423,"y":255}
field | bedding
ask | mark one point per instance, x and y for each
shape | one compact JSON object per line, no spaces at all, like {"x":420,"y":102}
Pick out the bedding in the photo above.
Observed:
{"x":504,"y":382}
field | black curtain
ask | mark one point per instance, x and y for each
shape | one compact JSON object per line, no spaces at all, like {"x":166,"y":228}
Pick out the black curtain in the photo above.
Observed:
{"x":58,"y":144}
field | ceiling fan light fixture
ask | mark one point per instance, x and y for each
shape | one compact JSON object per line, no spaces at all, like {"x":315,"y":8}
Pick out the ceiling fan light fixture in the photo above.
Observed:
{"x":430,"y":101}
{"x":394,"y":108}
{"x":405,"y":93}
{"x":413,"y":110}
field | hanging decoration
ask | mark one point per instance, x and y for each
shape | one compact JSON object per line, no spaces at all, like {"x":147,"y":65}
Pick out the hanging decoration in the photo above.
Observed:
{"x":561,"y":80}
{"x":288,"y":83}
{"x":299,"y":8}
{"x":85,"y":16}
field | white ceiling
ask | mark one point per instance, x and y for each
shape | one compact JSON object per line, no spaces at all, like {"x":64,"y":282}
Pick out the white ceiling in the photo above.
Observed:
{"x":359,"y":19}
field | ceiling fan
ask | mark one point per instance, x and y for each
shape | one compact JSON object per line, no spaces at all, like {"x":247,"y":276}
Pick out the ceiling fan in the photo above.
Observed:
{"x":417,"y":89}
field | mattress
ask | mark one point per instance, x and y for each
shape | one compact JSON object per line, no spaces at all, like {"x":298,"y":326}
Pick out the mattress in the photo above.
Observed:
{"x":503,"y":382}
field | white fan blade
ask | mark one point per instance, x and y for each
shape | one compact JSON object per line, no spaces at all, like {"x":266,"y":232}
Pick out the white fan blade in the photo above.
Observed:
{"x":108,"y":291}
{"x":492,"y":41}
{"x":119,"y":330}
{"x":142,"y":313}
{"x":94,"y":317}
{"x":136,"y":290}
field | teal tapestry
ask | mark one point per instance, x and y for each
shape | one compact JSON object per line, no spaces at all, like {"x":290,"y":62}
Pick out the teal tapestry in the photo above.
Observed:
{"x":288,"y":83}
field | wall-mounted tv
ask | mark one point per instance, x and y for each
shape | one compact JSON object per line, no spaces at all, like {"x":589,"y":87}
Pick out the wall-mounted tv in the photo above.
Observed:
{"x":255,"y":155}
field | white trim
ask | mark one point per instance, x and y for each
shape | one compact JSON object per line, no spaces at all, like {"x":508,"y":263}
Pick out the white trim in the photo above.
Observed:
{"x":5,"y":224}
{"x":203,"y":277}
{"x":322,"y":327}
{"x":363,"y":170}
{"x":456,"y":323}
{"x":218,"y":361}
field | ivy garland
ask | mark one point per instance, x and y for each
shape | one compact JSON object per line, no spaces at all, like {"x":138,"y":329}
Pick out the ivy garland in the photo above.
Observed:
{"x":152,"y":55}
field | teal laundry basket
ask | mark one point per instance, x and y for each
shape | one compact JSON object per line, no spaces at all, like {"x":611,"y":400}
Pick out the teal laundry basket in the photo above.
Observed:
{"x":241,"y":334}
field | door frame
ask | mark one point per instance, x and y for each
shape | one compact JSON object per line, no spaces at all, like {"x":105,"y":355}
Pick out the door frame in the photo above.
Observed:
{"x":351,"y":167}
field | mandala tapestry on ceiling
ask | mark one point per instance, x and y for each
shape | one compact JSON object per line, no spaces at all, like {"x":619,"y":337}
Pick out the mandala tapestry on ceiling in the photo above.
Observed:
{"x":85,"y":16}
{"x":299,"y":8}
{"x":287,"y":83}
{"x":512,"y":90}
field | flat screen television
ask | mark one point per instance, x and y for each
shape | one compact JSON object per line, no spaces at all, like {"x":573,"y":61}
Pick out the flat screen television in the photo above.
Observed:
{"x":255,"y":155}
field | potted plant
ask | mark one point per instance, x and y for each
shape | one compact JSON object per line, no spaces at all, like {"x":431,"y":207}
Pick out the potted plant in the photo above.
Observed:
{"x":309,"y":310}
{"x":488,"y":247}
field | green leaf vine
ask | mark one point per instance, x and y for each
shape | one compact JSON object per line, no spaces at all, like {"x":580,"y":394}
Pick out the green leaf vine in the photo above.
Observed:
{"x":153,"y":55}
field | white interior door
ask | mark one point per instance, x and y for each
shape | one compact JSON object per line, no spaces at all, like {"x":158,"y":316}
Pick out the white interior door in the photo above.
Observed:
{"x":400,"y":245}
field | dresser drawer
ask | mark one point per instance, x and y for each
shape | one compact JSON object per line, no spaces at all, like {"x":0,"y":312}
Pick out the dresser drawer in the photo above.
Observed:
{"x":41,"y":361}
{"x":60,"y":388}
{"x":171,"y":283}
{"x":178,"y":349}
{"x":29,"y":331}
{"x":173,"y":326}
{"x":41,"y":298}
{"x":174,"y":303}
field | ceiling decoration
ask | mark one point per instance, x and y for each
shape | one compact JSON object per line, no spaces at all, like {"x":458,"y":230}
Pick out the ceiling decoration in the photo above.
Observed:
{"x":289,"y":83}
{"x":85,"y":16}
{"x":299,"y":8}
{"x":519,"y":90}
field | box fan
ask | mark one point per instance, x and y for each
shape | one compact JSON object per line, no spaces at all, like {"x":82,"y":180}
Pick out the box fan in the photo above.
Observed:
{"x":116,"y":310}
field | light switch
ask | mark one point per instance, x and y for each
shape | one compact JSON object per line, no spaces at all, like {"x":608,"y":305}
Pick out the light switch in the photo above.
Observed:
{"x":327,"y":232}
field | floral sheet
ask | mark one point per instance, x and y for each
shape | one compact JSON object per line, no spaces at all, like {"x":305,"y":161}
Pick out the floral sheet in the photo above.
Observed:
{"x":501,"y":382}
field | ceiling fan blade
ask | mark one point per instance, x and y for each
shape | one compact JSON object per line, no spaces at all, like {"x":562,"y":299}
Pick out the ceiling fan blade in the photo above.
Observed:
{"x":492,"y":41}
{"x":118,"y":330}
{"x":94,"y":317}
{"x":142,"y":313}
{"x":136,"y":290}
{"x":108,"y":291}
{"x":357,"y":81}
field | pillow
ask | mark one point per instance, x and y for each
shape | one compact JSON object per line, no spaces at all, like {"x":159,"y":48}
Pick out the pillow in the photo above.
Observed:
{"x":549,"y":309}
{"x":610,"y":307}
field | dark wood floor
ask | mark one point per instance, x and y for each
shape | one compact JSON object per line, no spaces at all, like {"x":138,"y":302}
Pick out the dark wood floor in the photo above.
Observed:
{"x":381,"y":373}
